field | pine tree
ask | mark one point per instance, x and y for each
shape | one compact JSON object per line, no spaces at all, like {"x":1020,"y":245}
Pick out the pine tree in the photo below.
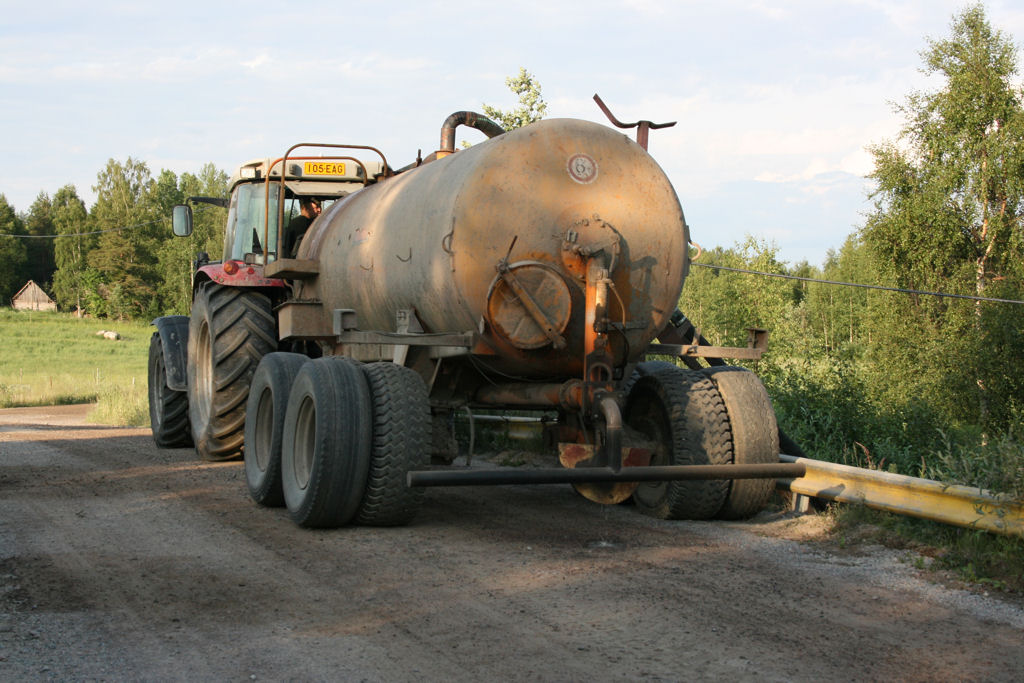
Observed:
{"x":12,"y":252}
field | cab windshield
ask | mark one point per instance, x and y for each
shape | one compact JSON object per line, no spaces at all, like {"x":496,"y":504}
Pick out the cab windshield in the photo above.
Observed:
{"x":245,"y":222}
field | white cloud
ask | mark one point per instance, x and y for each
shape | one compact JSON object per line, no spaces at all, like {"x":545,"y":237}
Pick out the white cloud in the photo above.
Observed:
{"x":256,"y":62}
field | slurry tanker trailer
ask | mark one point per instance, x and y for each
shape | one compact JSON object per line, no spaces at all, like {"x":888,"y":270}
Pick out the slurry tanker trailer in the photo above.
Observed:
{"x":535,"y":271}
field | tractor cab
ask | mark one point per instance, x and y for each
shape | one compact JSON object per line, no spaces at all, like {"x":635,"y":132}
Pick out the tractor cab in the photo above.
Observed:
{"x":264,"y":200}
{"x":263,"y":203}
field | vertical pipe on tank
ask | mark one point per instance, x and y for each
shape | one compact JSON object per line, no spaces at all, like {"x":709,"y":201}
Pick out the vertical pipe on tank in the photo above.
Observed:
{"x":597,"y":362}
{"x":612,"y":432}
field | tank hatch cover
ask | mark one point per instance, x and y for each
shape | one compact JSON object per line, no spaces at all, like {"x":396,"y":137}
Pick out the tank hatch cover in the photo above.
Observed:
{"x":529,"y":324}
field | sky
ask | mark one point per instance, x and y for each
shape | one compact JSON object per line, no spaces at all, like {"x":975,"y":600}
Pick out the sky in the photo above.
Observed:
{"x":776,"y":102}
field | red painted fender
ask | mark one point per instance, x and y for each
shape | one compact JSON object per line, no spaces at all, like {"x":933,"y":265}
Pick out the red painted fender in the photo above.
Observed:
{"x":238,"y":274}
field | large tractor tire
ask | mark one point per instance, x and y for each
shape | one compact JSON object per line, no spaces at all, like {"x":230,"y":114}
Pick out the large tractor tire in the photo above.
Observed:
{"x":683,"y":414}
{"x":264,"y":424}
{"x":325,"y":448}
{"x":401,"y":442}
{"x":230,"y":329}
{"x":168,"y":409}
{"x":755,"y":436}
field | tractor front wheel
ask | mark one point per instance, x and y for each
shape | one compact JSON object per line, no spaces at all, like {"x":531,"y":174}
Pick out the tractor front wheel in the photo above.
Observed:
{"x":230,"y":330}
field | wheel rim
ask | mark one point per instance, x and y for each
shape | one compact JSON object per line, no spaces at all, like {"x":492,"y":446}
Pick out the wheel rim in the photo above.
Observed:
{"x":264,"y":430}
{"x":305,"y":442}
{"x":156,"y":393}
{"x":204,"y":374}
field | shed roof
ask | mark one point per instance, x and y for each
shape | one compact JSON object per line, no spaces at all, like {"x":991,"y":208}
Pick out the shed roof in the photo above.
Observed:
{"x":32,"y":292}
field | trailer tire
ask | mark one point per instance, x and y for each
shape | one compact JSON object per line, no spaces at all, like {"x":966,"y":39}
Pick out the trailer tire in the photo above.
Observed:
{"x":755,"y":436}
{"x":684,"y":413}
{"x":401,"y":442}
{"x":325,"y":447}
{"x":229,"y":331}
{"x":264,"y":424}
{"x":168,"y":409}
{"x":646,"y":368}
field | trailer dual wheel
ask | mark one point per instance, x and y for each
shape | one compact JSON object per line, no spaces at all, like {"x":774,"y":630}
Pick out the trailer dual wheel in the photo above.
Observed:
{"x":264,"y":424}
{"x":325,"y":448}
{"x":401,"y":442}
{"x":230,"y":329}
{"x":755,"y":436}
{"x":168,"y":409}
{"x":684,"y":414}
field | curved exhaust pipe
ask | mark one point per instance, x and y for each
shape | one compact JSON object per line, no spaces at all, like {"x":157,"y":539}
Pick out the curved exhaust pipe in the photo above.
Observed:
{"x":465,"y":118}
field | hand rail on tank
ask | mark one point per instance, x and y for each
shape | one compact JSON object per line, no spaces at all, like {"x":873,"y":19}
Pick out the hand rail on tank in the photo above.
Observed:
{"x":642,"y":127}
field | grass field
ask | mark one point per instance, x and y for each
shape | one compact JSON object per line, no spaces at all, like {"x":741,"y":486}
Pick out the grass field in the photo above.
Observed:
{"x":55,"y":358}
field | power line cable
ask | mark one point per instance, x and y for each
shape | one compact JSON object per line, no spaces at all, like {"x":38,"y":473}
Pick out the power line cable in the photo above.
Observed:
{"x":857,"y":284}
{"x":82,"y":234}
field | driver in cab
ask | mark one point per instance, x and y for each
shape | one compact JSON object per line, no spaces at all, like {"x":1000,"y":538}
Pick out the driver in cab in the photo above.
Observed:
{"x":309,"y":209}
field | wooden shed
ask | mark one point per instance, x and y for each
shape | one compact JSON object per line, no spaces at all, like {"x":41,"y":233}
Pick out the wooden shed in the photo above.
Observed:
{"x":31,"y":297}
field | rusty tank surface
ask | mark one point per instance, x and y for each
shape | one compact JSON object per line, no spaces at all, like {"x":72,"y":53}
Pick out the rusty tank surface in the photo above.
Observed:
{"x":498,"y":239}
{"x":536,"y":271}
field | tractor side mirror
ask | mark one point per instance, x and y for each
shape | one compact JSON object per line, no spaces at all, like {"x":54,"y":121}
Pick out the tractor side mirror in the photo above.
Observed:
{"x":181,"y":220}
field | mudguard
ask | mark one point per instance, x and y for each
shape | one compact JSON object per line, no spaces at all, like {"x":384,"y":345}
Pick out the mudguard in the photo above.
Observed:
{"x":173,"y":331}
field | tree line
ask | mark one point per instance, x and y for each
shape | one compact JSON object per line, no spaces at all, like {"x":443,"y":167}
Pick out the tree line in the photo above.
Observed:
{"x":115,"y":259}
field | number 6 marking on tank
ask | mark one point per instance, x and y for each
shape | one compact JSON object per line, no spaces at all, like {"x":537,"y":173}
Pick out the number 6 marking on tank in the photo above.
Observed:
{"x":582,"y":168}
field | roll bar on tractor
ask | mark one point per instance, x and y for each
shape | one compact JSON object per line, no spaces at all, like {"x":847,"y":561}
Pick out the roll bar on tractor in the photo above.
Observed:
{"x":284,"y":173}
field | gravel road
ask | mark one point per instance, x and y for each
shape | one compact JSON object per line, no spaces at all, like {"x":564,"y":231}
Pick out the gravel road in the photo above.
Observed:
{"x":119,"y":561}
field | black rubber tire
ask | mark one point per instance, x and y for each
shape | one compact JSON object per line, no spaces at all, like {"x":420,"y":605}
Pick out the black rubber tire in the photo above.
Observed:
{"x":683,"y":413}
{"x":264,"y":424}
{"x":401,"y":442}
{"x":168,"y":409}
{"x":229,"y":331}
{"x":644,"y":369}
{"x":755,"y":436}
{"x":325,"y":448}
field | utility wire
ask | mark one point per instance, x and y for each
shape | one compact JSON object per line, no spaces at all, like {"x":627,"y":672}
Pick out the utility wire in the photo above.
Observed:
{"x":81,"y":234}
{"x":857,"y":284}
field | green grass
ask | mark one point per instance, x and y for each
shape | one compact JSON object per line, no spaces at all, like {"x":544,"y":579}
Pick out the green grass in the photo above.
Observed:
{"x":55,"y":359}
{"x":973,"y":556}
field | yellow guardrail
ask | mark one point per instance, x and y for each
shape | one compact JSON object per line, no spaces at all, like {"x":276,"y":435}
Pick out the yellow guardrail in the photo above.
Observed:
{"x":964,"y":506}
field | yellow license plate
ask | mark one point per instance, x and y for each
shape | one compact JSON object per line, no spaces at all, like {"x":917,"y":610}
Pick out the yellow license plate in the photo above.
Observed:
{"x":323,"y":168}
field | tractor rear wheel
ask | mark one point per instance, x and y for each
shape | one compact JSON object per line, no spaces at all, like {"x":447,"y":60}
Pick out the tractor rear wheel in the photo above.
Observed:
{"x":401,"y":442}
{"x":168,"y":409}
{"x":683,"y":413}
{"x":325,"y":448}
{"x":229,"y":331}
{"x":264,"y":424}
{"x":755,"y":436}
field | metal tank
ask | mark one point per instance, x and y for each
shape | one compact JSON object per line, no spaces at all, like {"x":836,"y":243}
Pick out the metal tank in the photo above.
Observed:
{"x":509,"y":238}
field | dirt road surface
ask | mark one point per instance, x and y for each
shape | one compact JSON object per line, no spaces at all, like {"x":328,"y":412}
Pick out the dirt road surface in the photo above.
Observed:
{"x":119,"y":561}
